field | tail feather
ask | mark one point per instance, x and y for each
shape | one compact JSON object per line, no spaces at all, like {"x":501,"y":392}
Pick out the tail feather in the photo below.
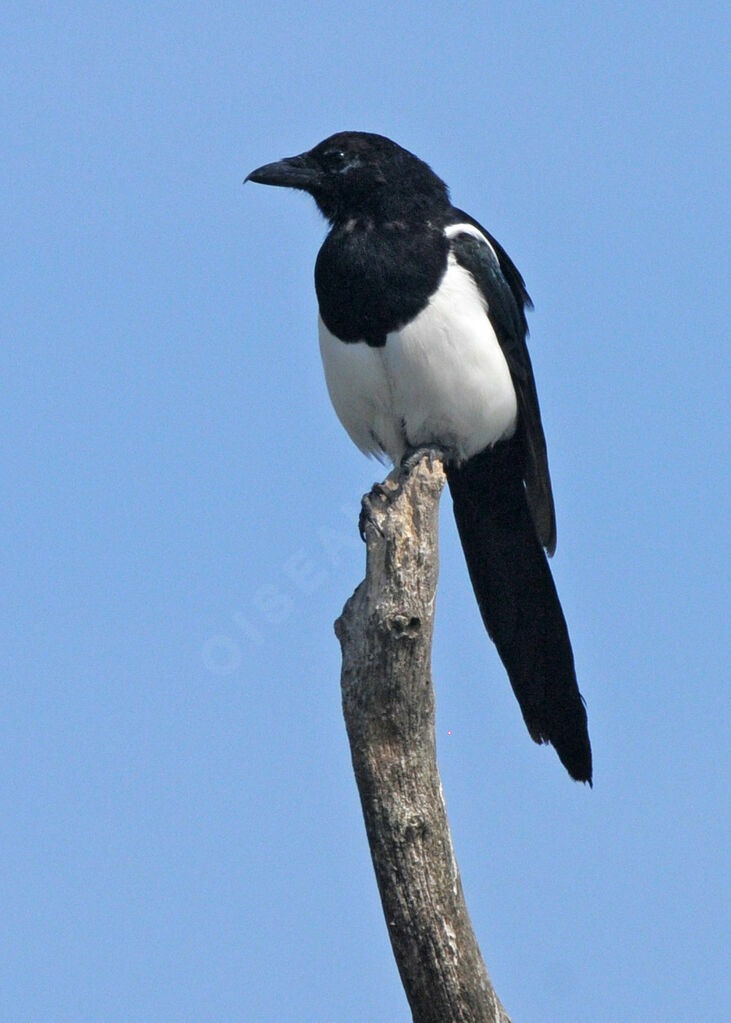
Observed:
{"x":518,"y":600}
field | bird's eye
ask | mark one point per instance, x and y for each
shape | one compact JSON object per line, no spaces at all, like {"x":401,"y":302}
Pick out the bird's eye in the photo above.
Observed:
{"x":334,"y":159}
{"x":338,"y":161}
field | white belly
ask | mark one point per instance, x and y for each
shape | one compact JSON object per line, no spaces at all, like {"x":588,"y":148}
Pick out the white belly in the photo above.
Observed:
{"x":442,"y":379}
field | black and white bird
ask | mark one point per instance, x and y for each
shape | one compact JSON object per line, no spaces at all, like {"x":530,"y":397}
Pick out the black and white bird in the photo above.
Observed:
{"x":423,"y":339}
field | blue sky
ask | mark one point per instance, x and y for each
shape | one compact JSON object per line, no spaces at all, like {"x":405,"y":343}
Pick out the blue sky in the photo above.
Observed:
{"x":180,"y":833}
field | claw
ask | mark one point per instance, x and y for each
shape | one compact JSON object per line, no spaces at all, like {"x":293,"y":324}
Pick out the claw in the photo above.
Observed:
{"x":414,"y":455}
{"x":364,"y":518}
{"x":384,"y":494}
{"x":388,"y":492}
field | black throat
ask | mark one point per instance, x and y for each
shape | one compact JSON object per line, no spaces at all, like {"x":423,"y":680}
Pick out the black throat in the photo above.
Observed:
{"x":374,"y":275}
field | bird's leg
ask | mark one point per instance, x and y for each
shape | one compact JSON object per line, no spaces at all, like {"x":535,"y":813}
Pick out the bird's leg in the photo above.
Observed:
{"x":413,"y":456}
{"x":392,"y":486}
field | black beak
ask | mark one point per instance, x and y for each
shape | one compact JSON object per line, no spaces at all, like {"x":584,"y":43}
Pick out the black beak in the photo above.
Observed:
{"x":294,"y":172}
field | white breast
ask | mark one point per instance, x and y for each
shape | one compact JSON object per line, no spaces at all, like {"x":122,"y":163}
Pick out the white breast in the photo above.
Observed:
{"x":442,"y":379}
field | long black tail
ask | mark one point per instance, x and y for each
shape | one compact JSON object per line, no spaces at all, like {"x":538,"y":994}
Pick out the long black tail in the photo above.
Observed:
{"x":518,"y":600}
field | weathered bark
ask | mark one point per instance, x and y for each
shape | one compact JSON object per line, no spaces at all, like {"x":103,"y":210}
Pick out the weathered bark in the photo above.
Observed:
{"x":385,"y":633}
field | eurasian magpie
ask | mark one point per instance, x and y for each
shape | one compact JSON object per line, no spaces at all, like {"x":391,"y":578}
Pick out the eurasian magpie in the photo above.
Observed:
{"x":423,"y":340}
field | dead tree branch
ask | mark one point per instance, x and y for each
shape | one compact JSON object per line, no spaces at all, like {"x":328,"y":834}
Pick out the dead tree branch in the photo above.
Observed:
{"x":385,"y":633}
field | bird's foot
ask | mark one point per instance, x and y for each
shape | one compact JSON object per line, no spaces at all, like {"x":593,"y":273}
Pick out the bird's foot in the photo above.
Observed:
{"x":379,"y":495}
{"x":387,"y":492}
{"x":414,"y":455}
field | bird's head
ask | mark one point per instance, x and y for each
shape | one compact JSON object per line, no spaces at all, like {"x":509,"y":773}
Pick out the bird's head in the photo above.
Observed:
{"x":355,"y":173}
